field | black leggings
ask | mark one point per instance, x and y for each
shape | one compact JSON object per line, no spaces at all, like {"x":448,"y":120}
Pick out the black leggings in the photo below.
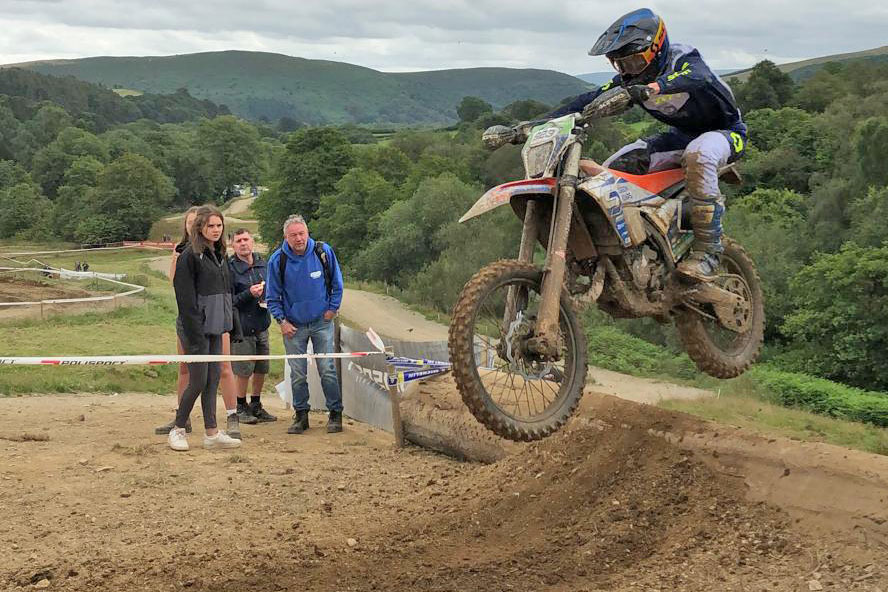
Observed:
{"x":203,"y":380}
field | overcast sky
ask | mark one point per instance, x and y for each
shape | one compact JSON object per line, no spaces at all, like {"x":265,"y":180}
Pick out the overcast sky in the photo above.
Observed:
{"x":406,"y":35}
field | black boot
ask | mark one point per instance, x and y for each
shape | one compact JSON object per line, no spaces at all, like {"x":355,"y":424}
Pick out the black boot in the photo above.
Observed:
{"x":261,"y":415}
{"x":300,"y":422}
{"x":245,"y":414}
{"x":334,"y":424}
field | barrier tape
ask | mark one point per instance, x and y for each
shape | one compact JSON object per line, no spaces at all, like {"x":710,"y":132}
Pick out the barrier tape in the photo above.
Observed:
{"x":161,"y":360}
{"x":408,"y":376}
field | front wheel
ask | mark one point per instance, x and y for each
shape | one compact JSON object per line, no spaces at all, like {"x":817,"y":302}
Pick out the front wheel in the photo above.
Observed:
{"x":512,"y":391}
{"x":716,"y":350}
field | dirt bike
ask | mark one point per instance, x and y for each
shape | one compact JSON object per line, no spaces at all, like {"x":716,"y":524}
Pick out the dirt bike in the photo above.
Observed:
{"x":517,"y":347}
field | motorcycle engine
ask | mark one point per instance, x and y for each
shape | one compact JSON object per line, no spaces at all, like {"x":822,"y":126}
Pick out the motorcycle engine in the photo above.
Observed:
{"x":648,"y":270}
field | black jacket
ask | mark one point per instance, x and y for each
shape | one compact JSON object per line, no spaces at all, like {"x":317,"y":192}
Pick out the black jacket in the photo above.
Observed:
{"x":203,"y":295}
{"x":693,"y":98}
{"x":253,"y":318}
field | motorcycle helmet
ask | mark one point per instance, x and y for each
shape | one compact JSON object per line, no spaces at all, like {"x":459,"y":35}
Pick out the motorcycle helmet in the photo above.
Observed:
{"x":636,"y":45}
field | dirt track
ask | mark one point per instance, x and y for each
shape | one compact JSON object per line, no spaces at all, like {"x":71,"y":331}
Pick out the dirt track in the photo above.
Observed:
{"x":604,"y":505}
{"x":626,"y":498}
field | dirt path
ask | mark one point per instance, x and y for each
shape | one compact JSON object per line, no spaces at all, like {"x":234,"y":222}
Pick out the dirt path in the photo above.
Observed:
{"x":389,"y":316}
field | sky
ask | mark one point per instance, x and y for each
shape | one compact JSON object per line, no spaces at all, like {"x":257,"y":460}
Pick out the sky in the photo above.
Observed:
{"x":410,"y":35}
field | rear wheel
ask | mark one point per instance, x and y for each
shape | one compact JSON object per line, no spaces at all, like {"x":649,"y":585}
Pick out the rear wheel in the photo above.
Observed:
{"x":717,"y":350}
{"x":511,"y":391}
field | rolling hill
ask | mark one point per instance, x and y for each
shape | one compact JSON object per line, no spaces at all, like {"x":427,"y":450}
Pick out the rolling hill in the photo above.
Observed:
{"x":258,"y":85}
{"x":803,"y":69}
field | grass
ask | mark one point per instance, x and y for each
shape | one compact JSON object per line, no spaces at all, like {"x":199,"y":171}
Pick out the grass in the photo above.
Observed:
{"x":750,"y":401}
{"x":742,"y":403}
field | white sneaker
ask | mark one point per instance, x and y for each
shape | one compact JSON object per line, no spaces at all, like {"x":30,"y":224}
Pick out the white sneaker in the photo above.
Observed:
{"x":177,"y":440}
{"x":220,"y":440}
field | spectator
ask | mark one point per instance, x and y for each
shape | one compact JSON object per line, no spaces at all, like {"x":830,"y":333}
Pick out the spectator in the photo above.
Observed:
{"x":229,"y":387}
{"x":304,"y":292}
{"x":84,"y":266}
{"x":203,"y":297}
{"x":248,"y":273}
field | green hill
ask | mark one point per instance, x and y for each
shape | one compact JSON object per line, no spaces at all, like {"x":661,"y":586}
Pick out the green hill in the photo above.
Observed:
{"x":102,"y":108}
{"x":799,"y":71}
{"x":259,"y":85}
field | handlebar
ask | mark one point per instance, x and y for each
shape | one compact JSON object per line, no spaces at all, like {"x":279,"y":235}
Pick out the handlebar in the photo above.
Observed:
{"x":609,"y":103}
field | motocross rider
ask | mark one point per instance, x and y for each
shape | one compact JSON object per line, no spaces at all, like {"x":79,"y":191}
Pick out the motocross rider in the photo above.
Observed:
{"x":706,"y":132}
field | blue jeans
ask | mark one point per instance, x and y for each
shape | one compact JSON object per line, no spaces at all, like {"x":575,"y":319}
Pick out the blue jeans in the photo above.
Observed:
{"x":321,"y":334}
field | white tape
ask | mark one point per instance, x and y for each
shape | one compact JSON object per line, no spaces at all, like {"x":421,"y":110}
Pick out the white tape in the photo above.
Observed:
{"x":167,"y":359}
{"x":161,"y":360}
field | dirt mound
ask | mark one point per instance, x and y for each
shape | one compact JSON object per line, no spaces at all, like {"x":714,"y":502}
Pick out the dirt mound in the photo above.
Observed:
{"x":15,"y":289}
{"x":591,"y":508}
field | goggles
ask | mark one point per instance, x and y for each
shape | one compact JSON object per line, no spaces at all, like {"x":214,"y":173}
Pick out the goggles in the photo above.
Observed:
{"x":632,"y":64}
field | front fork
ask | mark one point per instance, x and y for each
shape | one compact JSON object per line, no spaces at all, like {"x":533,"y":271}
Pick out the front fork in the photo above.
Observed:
{"x":547,"y":337}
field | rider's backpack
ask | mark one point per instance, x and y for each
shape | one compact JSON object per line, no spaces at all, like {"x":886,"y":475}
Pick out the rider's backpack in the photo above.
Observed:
{"x":322,"y":255}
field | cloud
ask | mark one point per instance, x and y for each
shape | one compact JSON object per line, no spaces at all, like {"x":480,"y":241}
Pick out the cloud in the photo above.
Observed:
{"x":402,"y":35}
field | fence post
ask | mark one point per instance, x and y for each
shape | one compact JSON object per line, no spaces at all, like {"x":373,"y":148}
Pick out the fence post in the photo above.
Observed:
{"x":395,"y":397}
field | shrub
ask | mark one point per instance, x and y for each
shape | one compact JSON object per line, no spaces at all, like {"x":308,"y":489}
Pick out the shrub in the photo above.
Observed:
{"x":823,"y":396}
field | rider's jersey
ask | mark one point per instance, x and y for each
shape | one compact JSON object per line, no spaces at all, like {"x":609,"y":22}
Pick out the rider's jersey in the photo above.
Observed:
{"x":692,"y":99}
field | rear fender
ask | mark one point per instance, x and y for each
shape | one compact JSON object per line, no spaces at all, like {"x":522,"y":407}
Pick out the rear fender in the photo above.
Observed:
{"x":503,"y":194}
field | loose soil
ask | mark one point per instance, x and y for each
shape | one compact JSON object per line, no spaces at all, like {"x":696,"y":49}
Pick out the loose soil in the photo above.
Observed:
{"x":626,"y":498}
{"x":607,"y":504}
{"x":16,"y":289}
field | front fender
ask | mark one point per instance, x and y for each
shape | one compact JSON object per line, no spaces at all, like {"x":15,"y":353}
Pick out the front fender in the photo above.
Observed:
{"x":503,"y":194}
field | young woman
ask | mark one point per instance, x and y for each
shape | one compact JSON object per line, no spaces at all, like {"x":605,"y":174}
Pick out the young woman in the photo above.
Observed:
{"x":228,"y":384}
{"x":203,"y":295}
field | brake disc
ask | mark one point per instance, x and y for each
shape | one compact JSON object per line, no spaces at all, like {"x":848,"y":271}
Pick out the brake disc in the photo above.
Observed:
{"x":527,"y":369}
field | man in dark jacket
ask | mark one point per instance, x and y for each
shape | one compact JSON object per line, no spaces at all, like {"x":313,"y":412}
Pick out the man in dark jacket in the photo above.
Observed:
{"x":304,"y":292}
{"x":707,"y":131}
{"x":248,"y":273}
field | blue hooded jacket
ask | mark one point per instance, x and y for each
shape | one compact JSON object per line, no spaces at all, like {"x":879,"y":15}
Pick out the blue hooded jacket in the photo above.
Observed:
{"x":303,"y":299}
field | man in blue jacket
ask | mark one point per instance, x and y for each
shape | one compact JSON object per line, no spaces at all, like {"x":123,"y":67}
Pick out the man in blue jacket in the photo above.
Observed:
{"x":304,"y":292}
{"x":706,"y":129}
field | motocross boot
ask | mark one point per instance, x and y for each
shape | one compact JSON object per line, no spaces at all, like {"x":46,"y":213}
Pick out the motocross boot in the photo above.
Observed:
{"x":702,"y":262}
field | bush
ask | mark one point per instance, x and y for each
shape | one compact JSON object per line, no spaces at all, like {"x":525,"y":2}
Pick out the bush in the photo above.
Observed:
{"x":611,"y":348}
{"x":824,"y":397}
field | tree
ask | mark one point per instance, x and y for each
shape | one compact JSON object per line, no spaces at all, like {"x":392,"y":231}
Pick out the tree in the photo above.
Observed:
{"x":23,"y":208}
{"x":471,"y":108}
{"x":131,"y":191}
{"x":868,"y":215}
{"x":51,"y":162}
{"x":466,"y":249}
{"x":313,"y":161}
{"x":871,"y":150}
{"x":72,"y":204}
{"x":388,"y":161}
{"x":526,"y":109}
{"x":771,"y":225}
{"x":408,"y":238}
{"x":767,"y":86}
{"x":233,"y":149}
{"x":840,"y":320}
{"x":349,"y":217}
{"x":9,"y":129}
